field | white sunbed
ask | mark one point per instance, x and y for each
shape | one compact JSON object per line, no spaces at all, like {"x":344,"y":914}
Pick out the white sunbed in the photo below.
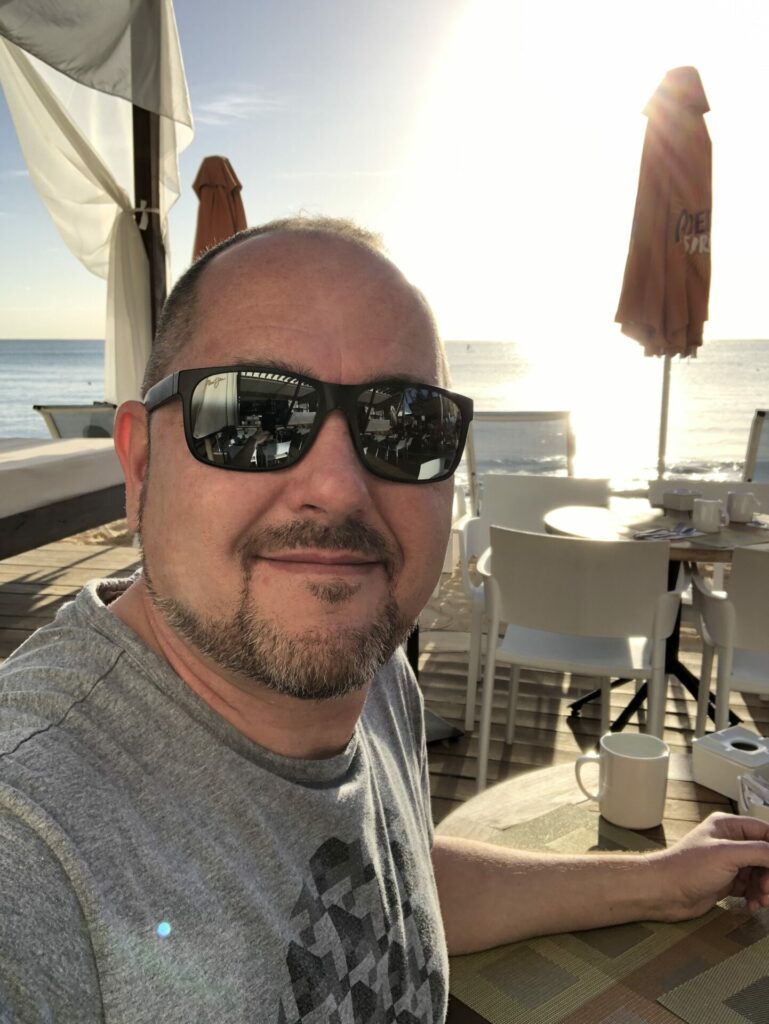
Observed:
{"x":50,"y":489}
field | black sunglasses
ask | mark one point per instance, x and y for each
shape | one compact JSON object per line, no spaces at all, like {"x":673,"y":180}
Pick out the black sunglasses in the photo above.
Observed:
{"x":257,"y":419}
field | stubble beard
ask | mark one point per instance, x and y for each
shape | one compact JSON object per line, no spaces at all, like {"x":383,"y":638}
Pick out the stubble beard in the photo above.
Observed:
{"x":315,"y":664}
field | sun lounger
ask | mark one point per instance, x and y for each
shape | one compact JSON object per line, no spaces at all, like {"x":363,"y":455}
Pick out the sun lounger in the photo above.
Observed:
{"x":95,"y":420}
{"x":52,"y":489}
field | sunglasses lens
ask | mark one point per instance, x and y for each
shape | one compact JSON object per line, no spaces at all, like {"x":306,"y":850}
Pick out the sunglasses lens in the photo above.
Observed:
{"x":252,"y":420}
{"x":257,"y":420}
{"x":410,"y":433}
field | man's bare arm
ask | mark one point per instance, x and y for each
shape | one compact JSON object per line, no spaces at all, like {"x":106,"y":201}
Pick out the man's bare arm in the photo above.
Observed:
{"x":491,"y":895}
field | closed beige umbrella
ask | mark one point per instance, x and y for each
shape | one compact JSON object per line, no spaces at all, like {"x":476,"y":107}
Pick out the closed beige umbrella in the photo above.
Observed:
{"x":221,"y":213}
{"x":664,"y":301}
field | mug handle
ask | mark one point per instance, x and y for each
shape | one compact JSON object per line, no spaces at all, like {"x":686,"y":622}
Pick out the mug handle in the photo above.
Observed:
{"x":593,"y":758}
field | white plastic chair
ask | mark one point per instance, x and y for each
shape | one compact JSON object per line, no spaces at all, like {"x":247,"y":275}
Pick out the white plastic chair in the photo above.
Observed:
{"x":524,"y":437}
{"x":519,"y":501}
{"x":596,"y":608}
{"x":734,"y":626}
{"x":458,"y":516}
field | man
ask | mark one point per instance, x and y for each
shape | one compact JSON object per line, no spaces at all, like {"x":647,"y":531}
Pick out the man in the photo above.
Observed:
{"x":213,"y":792}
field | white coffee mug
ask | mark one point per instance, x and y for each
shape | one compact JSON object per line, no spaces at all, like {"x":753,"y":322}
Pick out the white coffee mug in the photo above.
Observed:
{"x":709,"y":515}
{"x":741,"y":505}
{"x":632,"y":778}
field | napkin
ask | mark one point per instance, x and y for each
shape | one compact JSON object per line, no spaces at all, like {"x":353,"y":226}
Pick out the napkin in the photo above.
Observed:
{"x":667,"y":532}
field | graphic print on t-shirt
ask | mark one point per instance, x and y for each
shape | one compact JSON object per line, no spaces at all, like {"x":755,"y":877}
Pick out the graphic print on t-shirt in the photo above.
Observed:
{"x":363,"y":951}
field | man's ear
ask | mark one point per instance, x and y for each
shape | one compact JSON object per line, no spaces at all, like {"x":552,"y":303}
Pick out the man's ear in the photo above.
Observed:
{"x":132,"y":444}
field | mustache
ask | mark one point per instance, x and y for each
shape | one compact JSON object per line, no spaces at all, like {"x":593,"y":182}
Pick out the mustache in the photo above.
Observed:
{"x":350,"y":535}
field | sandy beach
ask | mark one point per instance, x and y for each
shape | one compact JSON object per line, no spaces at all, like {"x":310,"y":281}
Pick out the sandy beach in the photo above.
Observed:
{"x":116,"y":533}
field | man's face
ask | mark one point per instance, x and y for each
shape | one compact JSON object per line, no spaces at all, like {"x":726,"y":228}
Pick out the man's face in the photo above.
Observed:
{"x":304,"y":579}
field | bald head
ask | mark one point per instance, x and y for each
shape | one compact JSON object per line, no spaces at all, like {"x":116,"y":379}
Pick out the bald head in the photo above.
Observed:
{"x":320,"y":268}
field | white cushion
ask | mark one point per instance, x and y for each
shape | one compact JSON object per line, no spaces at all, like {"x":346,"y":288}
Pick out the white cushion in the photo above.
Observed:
{"x":36,"y":472}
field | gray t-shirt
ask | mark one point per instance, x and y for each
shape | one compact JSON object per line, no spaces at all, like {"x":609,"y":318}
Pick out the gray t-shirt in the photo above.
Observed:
{"x":157,"y":866}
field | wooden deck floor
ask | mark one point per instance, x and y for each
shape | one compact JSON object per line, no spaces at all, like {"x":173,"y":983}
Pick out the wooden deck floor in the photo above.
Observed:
{"x":35,"y":584}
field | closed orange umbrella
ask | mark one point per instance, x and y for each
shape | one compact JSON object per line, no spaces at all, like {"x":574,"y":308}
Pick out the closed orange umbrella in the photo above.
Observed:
{"x":664,"y":301}
{"x":221,"y":212}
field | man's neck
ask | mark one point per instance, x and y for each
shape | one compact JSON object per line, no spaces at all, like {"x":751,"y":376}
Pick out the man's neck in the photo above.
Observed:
{"x":285,"y":725}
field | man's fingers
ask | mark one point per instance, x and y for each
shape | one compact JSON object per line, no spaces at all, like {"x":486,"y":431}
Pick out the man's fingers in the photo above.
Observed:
{"x":741,"y":881}
{"x":757,"y":886}
{"x":738,"y":826}
{"x":747,"y":854}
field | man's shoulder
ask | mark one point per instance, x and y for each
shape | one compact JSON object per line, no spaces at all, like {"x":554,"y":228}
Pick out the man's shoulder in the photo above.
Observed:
{"x":395,"y":694}
{"x":54,"y":669}
{"x":71,"y":638}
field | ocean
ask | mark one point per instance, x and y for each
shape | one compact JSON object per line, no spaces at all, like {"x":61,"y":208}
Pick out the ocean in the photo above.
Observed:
{"x":613,"y":393}
{"x":46,"y":373}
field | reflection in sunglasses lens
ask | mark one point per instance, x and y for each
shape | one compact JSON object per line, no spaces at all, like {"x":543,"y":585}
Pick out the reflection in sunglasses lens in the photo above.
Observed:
{"x":252,"y":420}
{"x":409,"y":434}
{"x":261,"y":421}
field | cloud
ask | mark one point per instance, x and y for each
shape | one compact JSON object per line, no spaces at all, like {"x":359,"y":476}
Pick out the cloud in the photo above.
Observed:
{"x":21,"y":172}
{"x":238,"y":105}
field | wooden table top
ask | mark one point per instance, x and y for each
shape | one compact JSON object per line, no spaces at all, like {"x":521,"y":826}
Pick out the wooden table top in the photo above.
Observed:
{"x":531,"y":794}
{"x":498,"y":815}
{"x":622,"y":520}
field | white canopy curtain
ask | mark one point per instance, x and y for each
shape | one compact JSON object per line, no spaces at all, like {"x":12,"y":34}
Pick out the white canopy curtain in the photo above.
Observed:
{"x":75,"y":130}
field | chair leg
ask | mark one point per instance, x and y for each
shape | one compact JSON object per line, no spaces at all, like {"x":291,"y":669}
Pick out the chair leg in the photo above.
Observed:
{"x":706,"y":671}
{"x":655,"y":722}
{"x":474,"y":665}
{"x":723,"y":675}
{"x":487,"y":702}
{"x":512,"y":700}
{"x":605,"y":705}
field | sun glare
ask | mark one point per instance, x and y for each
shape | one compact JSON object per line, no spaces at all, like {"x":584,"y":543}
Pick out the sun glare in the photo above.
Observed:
{"x":518,"y":192}
{"x":518,"y":195}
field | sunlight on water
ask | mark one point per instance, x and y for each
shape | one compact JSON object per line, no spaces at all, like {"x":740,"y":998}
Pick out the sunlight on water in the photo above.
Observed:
{"x":614,"y":395}
{"x":612,"y":391}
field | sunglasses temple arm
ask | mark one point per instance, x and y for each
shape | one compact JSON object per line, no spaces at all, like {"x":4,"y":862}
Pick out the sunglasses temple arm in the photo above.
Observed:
{"x":161,"y":392}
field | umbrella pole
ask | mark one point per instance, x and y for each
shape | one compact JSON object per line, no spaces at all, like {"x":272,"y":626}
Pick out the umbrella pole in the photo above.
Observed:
{"x":663,"y":419}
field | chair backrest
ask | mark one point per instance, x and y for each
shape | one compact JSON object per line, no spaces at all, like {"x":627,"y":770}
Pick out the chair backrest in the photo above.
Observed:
{"x":580,"y":587}
{"x":708,"y":489}
{"x":536,"y":440}
{"x":95,"y":420}
{"x":757,"y":455}
{"x":748,"y":591}
{"x":521,"y":501}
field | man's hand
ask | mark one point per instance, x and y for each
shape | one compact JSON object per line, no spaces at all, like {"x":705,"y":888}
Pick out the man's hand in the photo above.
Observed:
{"x":727,"y":855}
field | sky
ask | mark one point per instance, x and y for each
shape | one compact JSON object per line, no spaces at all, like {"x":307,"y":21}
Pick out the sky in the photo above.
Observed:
{"x":494,"y":144}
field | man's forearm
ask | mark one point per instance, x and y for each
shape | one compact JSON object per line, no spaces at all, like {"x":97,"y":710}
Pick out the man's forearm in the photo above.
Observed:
{"x":491,"y":895}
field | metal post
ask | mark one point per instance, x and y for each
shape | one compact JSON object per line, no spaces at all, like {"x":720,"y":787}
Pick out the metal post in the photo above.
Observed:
{"x":146,"y":138}
{"x":664,"y":419}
